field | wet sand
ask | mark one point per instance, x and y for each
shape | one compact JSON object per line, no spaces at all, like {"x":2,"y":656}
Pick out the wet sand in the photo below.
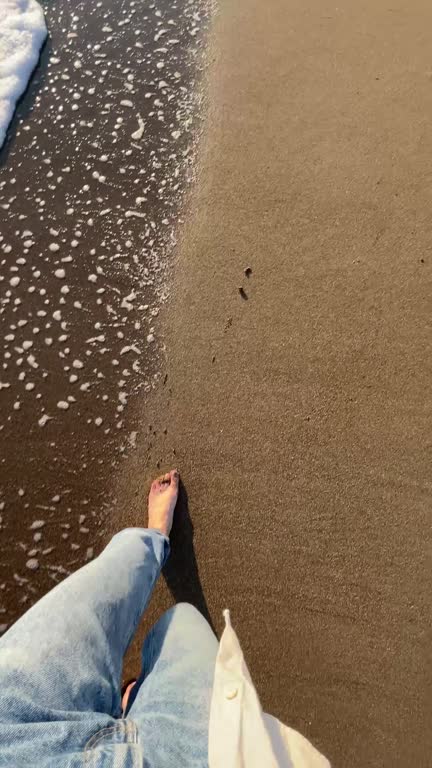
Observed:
{"x":299,"y":413}
{"x":92,"y":178}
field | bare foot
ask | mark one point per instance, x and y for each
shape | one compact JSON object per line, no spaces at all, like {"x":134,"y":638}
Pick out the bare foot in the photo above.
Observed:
{"x":126,"y":692}
{"x":162,"y":500}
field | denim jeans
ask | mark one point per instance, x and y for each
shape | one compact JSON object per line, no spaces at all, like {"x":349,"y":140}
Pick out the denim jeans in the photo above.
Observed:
{"x":61,"y":665}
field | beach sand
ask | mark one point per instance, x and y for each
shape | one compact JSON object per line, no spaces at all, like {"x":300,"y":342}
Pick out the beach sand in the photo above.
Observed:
{"x":299,"y":413}
{"x":93,"y":172}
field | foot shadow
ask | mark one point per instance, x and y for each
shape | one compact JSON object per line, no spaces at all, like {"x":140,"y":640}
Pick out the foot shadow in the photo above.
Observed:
{"x":181,"y":571}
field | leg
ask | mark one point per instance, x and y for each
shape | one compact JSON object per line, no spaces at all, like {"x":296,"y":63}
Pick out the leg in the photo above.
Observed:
{"x":171,"y":701}
{"x":60,"y":664}
{"x":68,"y":649}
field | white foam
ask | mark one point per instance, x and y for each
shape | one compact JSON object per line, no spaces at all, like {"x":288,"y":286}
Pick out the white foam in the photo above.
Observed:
{"x":36,"y":524}
{"x":22,"y":33}
{"x":138,"y":134}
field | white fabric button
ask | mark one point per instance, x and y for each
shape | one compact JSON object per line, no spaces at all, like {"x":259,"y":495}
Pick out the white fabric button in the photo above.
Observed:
{"x":231,"y":692}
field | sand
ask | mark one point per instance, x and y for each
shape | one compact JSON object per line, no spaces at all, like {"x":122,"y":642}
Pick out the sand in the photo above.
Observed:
{"x":89,"y":203}
{"x":300,"y":416}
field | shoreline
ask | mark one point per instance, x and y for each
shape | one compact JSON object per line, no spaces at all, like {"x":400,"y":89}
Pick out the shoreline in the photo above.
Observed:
{"x":94,"y":171}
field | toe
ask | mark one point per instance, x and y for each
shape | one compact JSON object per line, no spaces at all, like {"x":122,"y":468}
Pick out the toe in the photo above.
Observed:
{"x":174,"y":477}
{"x":170,"y":479}
{"x":156,"y":484}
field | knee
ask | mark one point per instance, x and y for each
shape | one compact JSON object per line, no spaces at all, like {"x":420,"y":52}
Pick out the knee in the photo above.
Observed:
{"x":185,"y":612}
{"x":185,"y":617}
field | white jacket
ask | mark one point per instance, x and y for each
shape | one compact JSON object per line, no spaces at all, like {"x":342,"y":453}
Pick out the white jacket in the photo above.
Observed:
{"x":241,"y":735}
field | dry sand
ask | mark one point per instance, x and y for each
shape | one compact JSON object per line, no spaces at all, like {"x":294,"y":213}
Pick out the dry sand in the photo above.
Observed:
{"x":300,"y":416}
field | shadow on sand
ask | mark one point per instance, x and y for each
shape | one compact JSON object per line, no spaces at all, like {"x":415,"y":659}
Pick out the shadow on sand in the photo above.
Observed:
{"x":181,"y":571}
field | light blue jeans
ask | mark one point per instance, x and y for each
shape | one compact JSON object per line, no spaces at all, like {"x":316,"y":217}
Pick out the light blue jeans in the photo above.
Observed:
{"x":61,"y":665}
